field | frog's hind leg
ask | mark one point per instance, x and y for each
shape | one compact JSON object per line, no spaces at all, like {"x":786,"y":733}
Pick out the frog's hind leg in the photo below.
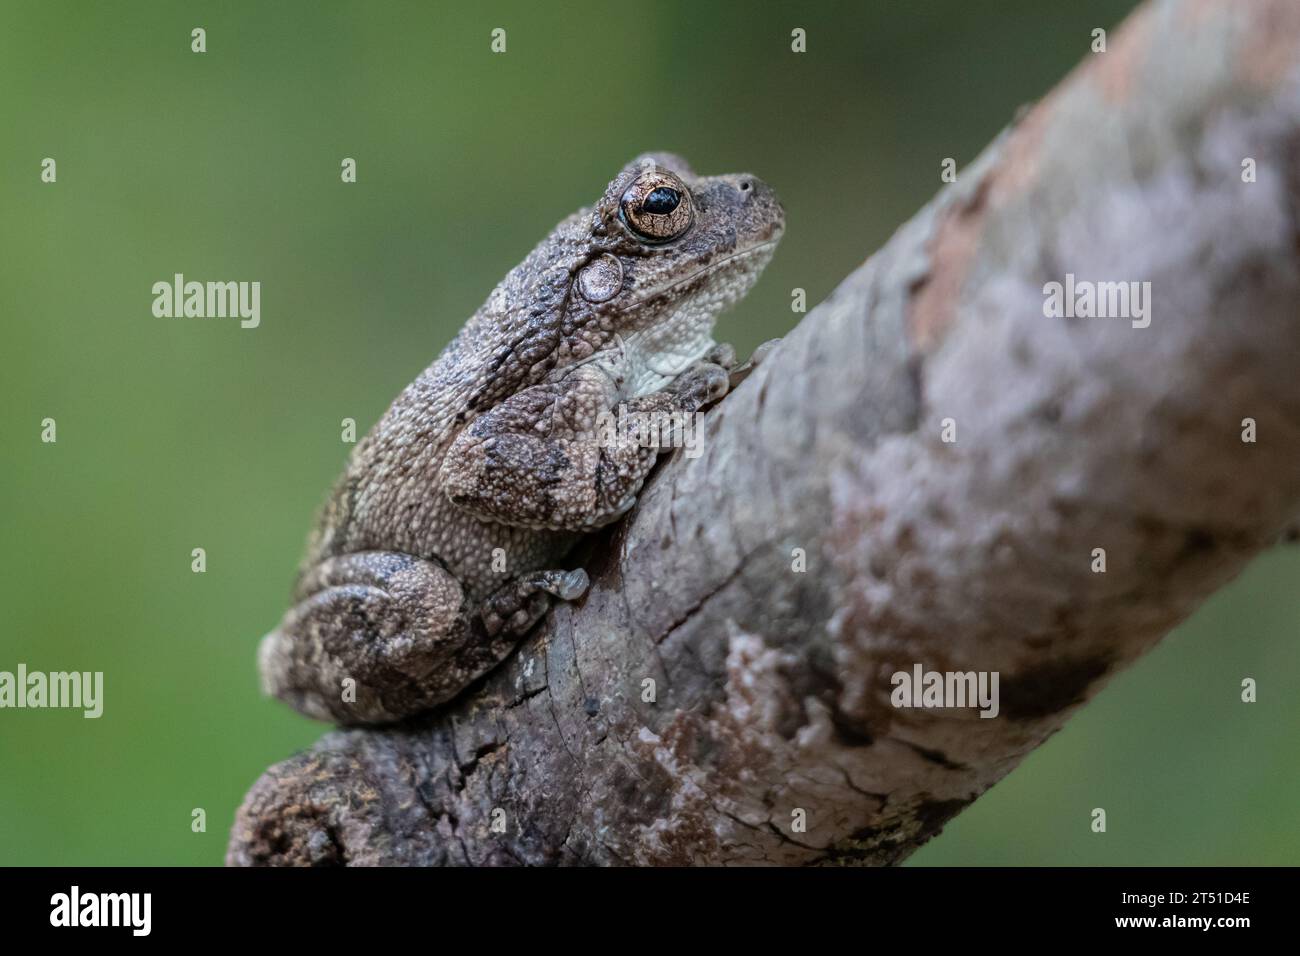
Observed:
{"x":375,"y":636}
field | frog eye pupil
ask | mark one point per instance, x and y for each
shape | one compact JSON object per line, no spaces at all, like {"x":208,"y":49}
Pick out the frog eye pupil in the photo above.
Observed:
{"x":661,"y":201}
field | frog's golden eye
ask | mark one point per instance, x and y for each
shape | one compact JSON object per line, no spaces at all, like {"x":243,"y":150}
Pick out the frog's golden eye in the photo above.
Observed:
{"x":657,"y":207}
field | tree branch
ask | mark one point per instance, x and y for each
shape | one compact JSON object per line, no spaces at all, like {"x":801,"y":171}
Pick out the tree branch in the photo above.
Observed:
{"x":772,"y":686}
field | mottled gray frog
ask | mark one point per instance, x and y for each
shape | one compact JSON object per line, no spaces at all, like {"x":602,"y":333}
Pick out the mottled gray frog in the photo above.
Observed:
{"x":441,"y":544}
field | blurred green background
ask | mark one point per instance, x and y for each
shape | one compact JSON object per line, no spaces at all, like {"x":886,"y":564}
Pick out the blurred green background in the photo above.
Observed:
{"x":175,"y":434}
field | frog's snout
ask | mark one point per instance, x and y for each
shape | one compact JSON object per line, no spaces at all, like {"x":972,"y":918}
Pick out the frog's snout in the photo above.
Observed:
{"x":762,"y":210}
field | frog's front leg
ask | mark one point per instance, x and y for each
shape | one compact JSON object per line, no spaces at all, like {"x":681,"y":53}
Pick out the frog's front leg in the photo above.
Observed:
{"x":377,"y":635}
{"x":552,"y":457}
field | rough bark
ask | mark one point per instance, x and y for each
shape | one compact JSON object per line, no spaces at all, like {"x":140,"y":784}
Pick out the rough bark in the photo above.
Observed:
{"x":773,"y":686}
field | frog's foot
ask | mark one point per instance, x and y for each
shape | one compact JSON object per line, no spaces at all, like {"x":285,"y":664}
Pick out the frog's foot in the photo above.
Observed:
{"x":723,"y":353}
{"x":516,"y":607}
{"x":741,"y":372}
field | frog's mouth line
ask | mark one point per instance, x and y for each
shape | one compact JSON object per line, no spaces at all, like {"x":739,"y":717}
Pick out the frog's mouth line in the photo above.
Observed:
{"x":702,"y":273}
{"x":706,"y":271}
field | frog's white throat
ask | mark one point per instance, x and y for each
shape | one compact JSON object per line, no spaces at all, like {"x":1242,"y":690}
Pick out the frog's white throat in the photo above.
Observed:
{"x":649,"y":359}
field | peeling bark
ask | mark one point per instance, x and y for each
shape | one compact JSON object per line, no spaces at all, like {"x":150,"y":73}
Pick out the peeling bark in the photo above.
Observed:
{"x":772,"y":687}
